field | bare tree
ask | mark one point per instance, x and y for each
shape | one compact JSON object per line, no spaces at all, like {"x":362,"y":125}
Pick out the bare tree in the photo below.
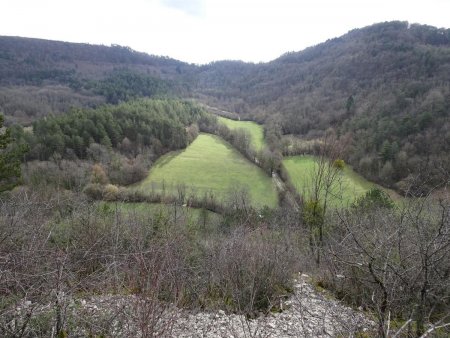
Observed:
{"x":396,"y":262}
{"x":324,"y":184}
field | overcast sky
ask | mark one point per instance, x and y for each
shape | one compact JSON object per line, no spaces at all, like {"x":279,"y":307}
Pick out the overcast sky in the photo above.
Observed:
{"x":201,"y":31}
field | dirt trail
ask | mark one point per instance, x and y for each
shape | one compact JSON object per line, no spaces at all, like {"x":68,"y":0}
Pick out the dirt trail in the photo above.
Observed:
{"x":281,"y":186}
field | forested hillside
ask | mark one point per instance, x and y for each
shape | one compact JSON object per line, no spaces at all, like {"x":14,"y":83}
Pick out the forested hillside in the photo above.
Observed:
{"x":41,"y":77}
{"x":386,"y":88}
{"x":31,"y":61}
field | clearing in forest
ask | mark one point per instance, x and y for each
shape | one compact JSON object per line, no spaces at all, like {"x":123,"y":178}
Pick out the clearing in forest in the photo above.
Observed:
{"x":209,"y":164}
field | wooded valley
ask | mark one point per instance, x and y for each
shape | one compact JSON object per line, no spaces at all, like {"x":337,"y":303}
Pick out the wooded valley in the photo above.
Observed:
{"x":142,"y":186}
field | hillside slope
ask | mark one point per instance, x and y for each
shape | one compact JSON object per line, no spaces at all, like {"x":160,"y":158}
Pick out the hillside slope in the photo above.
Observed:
{"x":29,"y":61}
{"x":41,"y":77}
{"x":386,"y":88}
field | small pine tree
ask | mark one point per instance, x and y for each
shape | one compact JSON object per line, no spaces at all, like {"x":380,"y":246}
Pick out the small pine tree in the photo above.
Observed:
{"x":374,"y":198}
{"x":10,"y":156}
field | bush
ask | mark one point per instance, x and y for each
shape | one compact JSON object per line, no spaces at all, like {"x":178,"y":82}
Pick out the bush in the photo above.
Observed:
{"x":250,"y":270}
{"x":80,"y":247}
{"x":110,"y":192}
{"x":393,"y":262}
{"x":65,"y":174}
{"x":98,"y":175}
{"x":339,"y":164}
{"x":374,"y":198}
{"x":313,"y":214}
{"x":94,"y":191}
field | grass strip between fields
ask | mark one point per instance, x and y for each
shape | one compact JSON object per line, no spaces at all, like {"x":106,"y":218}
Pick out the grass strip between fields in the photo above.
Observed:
{"x":255,"y":130}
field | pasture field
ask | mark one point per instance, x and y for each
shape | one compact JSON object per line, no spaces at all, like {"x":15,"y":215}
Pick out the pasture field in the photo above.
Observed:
{"x":210,"y":165}
{"x":350,"y":185}
{"x":255,"y":130}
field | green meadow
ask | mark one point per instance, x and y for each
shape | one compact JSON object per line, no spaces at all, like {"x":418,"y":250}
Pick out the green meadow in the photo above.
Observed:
{"x":350,"y":185}
{"x":210,"y":165}
{"x":255,"y":130}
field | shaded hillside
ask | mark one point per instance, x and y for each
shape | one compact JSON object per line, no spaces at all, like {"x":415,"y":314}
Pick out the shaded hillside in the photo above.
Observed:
{"x":40,"y":77}
{"x":386,"y":86}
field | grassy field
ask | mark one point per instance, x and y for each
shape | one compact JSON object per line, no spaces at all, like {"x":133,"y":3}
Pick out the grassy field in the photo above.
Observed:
{"x":350,"y":187}
{"x":196,"y":219}
{"x":256,"y":130}
{"x":210,"y":164}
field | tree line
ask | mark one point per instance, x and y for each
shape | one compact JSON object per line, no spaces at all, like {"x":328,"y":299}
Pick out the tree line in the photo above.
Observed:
{"x":159,"y":124}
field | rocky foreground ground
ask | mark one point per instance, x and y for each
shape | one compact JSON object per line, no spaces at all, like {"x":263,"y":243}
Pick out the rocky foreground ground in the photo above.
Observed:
{"x":307,"y":313}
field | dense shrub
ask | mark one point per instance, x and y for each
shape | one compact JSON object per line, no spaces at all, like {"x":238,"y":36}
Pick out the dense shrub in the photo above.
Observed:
{"x":71,"y":175}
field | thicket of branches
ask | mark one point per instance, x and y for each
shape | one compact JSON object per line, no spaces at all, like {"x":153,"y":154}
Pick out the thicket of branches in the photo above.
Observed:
{"x":395,"y":262}
{"x":58,"y":247}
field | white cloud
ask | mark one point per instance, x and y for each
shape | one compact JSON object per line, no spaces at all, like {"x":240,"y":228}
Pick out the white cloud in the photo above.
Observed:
{"x":204,"y":30}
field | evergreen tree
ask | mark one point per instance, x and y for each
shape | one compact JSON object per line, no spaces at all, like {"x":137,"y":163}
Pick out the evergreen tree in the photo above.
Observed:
{"x":10,"y":155}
